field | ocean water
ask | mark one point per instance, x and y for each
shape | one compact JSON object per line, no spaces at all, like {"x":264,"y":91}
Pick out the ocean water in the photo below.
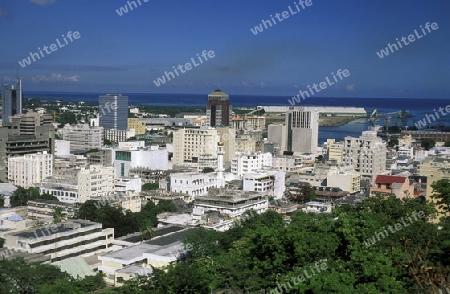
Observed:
{"x":418,"y":107}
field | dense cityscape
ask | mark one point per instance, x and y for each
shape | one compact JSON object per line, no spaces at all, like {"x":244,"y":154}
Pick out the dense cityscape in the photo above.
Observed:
{"x":263,"y":164}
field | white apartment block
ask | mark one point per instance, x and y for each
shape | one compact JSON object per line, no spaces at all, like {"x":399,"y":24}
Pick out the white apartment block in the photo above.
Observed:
{"x":345,"y":179}
{"x":246,"y":162}
{"x":367,"y":153}
{"x":63,"y":240}
{"x":268,"y":182}
{"x":195,"y":184}
{"x":30,"y":169}
{"x":287,"y":163}
{"x":82,"y":137}
{"x":152,"y":159}
{"x":189,"y":144}
{"x":78,"y":186}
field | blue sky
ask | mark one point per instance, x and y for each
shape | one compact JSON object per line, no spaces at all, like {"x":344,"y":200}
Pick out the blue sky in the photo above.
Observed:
{"x":126,"y":53}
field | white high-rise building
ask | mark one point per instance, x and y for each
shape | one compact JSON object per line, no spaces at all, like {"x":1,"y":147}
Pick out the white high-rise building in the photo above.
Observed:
{"x":367,"y":154}
{"x":302,"y":130}
{"x":299,"y":134}
{"x":189,"y":144}
{"x":30,"y":169}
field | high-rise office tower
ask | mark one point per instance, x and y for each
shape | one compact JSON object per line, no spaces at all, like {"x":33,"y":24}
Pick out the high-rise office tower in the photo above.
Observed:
{"x":12,"y":100}
{"x":218,"y":109}
{"x":302,"y":130}
{"x":113,"y":111}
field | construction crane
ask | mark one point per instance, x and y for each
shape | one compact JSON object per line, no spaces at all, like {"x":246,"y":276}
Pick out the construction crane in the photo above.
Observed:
{"x":375,"y":116}
{"x":403,"y":116}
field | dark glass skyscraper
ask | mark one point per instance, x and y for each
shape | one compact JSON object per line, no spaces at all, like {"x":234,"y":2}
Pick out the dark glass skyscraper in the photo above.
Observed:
{"x":113,"y":111}
{"x":11,"y":100}
{"x":218,"y":109}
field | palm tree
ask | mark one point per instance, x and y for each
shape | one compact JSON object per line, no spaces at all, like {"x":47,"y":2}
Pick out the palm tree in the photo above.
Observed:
{"x":57,"y":214}
{"x":147,"y":231}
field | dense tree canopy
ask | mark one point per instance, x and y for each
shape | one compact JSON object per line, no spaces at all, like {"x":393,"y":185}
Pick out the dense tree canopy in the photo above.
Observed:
{"x":383,"y":245}
{"x":21,"y":196}
{"x":123,"y":222}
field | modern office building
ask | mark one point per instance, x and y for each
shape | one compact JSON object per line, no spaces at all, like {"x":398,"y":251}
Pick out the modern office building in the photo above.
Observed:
{"x":299,"y":134}
{"x":302,"y":130}
{"x":113,"y":111}
{"x":218,"y":109}
{"x":11,"y":100}
{"x":30,"y":169}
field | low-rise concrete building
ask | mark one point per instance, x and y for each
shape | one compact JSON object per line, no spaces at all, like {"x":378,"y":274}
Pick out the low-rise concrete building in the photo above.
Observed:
{"x":63,"y":240}
{"x":164,"y":248}
{"x":268,"y":182}
{"x":231,"y":202}
{"x":344,"y":178}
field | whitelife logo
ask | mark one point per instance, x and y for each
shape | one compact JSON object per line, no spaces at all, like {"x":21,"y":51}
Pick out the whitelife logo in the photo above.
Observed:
{"x":188,"y":66}
{"x":285,"y":14}
{"x":27,"y":61}
{"x":124,"y":9}
{"x":411,"y":38}
{"x":323,"y":85}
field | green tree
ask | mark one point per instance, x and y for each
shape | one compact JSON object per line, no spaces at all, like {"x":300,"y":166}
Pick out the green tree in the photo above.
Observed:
{"x":57,"y":215}
{"x":207,"y":170}
{"x":447,"y":144}
{"x":21,"y":196}
{"x":441,"y":192}
{"x":150,"y":186}
{"x":66,"y":117}
{"x":427,"y":143}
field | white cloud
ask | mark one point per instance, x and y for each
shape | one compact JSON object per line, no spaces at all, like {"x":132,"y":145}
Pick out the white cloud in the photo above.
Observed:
{"x":55,"y":77}
{"x":43,"y":2}
{"x":351,"y":87}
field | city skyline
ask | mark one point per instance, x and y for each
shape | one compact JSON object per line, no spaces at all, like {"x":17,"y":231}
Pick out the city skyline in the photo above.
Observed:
{"x":126,"y":53}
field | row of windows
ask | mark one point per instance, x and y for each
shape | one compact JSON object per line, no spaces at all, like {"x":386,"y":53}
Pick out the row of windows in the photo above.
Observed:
{"x":79,"y":253}
{"x":64,"y":238}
